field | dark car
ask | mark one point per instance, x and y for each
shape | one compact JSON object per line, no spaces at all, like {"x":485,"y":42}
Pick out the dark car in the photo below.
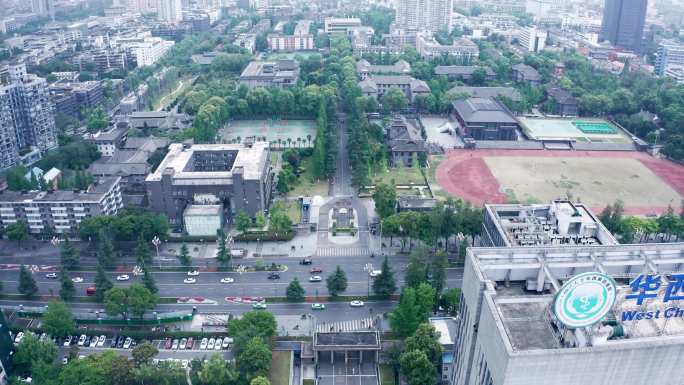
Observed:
{"x":306,"y":261}
{"x":273,"y":275}
{"x":120,"y":343}
{"x":87,"y":341}
{"x":114,"y":341}
{"x":315,"y":270}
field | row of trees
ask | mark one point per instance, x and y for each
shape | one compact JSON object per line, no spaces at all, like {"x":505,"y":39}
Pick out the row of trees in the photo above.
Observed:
{"x":667,"y":227}
{"x":451,"y":218}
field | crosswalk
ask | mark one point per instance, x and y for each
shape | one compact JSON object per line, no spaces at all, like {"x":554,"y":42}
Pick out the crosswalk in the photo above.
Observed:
{"x":343,"y":252}
{"x":346,"y":326}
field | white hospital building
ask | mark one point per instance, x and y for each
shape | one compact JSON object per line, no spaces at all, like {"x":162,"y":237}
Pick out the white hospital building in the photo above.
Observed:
{"x":510,"y":333}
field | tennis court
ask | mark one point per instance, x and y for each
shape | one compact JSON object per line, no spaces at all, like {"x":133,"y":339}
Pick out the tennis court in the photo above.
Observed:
{"x":580,"y":130}
{"x":280,"y":133}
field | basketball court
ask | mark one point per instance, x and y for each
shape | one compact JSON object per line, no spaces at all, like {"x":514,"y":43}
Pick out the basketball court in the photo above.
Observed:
{"x":301,"y":133}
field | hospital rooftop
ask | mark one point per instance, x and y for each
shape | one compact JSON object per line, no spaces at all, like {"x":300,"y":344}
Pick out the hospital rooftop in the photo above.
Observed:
{"x":519,"y":285}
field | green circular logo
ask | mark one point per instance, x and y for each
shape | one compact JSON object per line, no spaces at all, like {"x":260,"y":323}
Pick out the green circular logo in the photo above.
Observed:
{"x":584,"y":299}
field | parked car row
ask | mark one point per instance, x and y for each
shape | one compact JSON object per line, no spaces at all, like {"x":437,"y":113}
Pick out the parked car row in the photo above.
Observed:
{"x":217,"y":343}
{"x":121,"y":342}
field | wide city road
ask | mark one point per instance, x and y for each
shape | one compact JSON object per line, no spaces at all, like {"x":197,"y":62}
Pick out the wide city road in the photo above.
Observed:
{"x":208,"y":284}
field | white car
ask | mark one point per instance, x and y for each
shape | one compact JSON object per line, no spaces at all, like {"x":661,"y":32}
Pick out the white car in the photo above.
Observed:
{"x":210,"y":345}
{"x":65,"y":361}
{"x":101,"y":341}
{"x":375,"y":273}
{"x":123,"y":277}
{"x":67,"y":341}
{"x":315,"y":278}
{"x":77,"y":280}
{"x":175,"y":345}
{"x":219,"y":343}
{"x":227,"y":280}
{"x":82,"y":356}
{"x":19,"y":337}
{"x":203,"y":344}
{"x":51,"y":275}
{"x":356,"y":303}
{"x":193,"y":273}
{"x":226,"y":342}
{"x":190,"y":280}
{"x":127,"y":343}
{"x":185,"y":364}
{"x":81,"y":340}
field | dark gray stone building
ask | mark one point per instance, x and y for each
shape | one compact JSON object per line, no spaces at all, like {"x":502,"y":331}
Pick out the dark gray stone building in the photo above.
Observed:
{"x":485,"y":119}
{"x":238,"y":176}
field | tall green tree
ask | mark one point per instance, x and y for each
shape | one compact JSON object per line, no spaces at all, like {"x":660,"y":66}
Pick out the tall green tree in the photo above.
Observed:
{"x":252,"y":324}
{"x":17,"y":231}
{"x":217,"y":371}
{"x":67,"y":290}
{"x":255,"y":359}
{"x":295,"y":291}
{"x":184,"y":256}
{"x":105,"y":253}
{"x":148,"y":281}
{"x":384,"y":285}
{"x":143,"y":353}
{"x":243,"y":221}
{"x":416,"y":271}
{"x":336,"y":282}
{"x":425,"y":297}
{"x":116,"y":302}
{"x":102,"y":283}
{"x":426,"y":340}
{"x":417,"y":368}
{"x":143,"y":252}
{"x":438,"y":272}
{"x":32,"y":350}
{"x":27,"y":284}
{"x":385,"y":198}
{"x":140,"y":299}
{"x":406,"y":317}
{"x":70,"y":256}
{"x":58,"y":321}
{"x":222,"y":252}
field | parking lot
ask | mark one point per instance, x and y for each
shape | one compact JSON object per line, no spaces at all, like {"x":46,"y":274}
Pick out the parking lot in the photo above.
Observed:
{"x":181,"y":349}
{"x":353,"y":372}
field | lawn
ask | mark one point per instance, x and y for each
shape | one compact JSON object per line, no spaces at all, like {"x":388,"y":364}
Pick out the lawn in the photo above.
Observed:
{"x":399,"y":176}
{"x":430,"y":174}
{"x":280,"y":368}
{"x":306,"y":185}
{"x":386,"y":374}
{"x":293,"y":209}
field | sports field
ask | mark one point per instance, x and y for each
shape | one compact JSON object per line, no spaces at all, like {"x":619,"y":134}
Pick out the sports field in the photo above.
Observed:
{"x":301,"y":133}
{"x":580,"y":129}
{"x":646,"y":185}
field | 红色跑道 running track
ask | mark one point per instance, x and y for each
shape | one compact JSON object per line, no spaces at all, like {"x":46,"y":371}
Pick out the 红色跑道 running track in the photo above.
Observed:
{"x":465,"y":173}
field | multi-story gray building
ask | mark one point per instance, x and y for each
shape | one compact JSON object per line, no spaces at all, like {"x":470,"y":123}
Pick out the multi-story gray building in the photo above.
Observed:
{"x":623,"y":23}
{"x":560,"y":222}
{"x":26,"y":114}
{"x":485,"y":119}
{"x":511,"y":333}
{"x":670,"y":54}
{"x":236,"y":175}
{"x":281,"y":73}
{"x":377,"y":85}
{"x":60,"y":211}
{"x":428,"y":15}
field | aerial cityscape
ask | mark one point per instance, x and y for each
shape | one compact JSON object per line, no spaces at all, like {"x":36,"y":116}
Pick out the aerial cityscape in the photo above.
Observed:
{"x":341,"y":192}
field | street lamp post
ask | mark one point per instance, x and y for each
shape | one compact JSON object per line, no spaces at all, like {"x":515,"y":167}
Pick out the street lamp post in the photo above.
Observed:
{"x":156,"y":242}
